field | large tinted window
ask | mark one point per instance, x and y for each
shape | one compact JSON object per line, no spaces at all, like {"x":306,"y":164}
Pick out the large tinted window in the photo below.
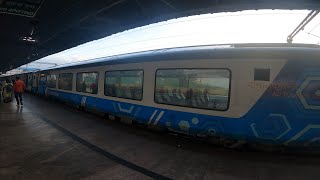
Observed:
{"x":51,"y":81}
{"x":124,"y":84}
{"x":198,"y":88}
{"x":87,"y":82}
{"x":65,"y":81}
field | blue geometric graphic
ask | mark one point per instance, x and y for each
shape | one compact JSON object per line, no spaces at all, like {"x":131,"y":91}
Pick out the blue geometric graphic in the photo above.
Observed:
{"x":309,"y":93}
{"x":273,"y":127}
{"x":310,"y":135}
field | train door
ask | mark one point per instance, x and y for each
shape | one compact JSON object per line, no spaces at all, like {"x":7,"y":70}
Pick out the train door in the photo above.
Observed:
{"x":42,"y":84}
{"x":35,"y":83}
{"x":29,"y":82}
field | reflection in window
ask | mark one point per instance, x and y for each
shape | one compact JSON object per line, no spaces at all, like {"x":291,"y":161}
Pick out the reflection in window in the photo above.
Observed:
{"x":124,"y":84}
{"x":87,"y":82}
{"x":65,"y":81}
{"x":51,"y":81}
{"x":199,"y":88}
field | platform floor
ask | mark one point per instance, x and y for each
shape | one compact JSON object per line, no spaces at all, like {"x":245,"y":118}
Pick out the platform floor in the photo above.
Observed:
{"x":49,"y":140}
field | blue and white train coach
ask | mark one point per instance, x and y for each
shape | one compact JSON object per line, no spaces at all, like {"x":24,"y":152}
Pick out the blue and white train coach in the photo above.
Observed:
{"x":260,"y":93}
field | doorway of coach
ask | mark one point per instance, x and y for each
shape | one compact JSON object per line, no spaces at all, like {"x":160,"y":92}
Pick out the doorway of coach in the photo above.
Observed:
{"x":42,"y":84}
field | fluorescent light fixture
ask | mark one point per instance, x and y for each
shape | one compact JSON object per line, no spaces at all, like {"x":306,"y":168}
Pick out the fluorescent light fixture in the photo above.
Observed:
{"x":29,"y":39}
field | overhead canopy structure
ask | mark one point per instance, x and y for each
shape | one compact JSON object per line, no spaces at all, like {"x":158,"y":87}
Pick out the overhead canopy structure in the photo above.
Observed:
{"x":32,"y":29}
{"x":219,"y":29}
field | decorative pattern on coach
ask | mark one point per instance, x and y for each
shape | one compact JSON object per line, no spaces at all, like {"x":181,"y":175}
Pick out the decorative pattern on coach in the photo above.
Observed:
{"x":272,"y":99}
{"x":289,"y":110}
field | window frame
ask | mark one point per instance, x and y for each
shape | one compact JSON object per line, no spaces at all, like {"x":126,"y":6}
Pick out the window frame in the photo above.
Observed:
{"x":142,"y":84}
{"x":71,"y":82}
{"x":97,"y":82}
{"x":55,"y":83}
{"x":229,"y":93}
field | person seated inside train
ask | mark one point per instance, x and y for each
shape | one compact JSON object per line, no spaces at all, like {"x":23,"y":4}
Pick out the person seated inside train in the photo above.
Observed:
{"x":94,"y":88}
{"x":189,"y":97}
{"x":132,"y":91}
{"x":158,"y":96}
{"x":138,"y":93}
{"x":166,"y":96}
{"x":176,"y":98}
{"x":110,"y":90}
{"x":126,"y":92}
{"x":83,"y":86}
{"x":182,"y":94}
{"x":2,"y":84}
{"x":174,"y":93}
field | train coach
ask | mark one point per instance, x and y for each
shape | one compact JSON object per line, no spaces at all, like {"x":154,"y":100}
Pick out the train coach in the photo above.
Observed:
{"x":263,"y":93}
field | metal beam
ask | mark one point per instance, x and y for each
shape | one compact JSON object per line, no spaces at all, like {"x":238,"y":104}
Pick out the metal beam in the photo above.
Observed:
{"x":302,"y":25}
{"x":168,"y":4}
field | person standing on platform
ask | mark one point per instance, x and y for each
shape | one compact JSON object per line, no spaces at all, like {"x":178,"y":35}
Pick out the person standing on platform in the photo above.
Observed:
{"x":3,"y":84}
{"x":18,"y":88}
{"x":1,"y":87}
{"x":7,"y":91}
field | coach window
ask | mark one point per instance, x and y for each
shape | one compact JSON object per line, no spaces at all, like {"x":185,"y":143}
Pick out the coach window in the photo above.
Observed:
{"x":87,"y":82}
{"x":124,"y":84}
{"x":51,"y":81}
{"x":65,"y":81}
{"x":198,"y":88}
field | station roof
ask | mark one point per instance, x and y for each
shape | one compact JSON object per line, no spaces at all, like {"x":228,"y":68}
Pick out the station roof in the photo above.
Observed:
{"x":57,"y":25}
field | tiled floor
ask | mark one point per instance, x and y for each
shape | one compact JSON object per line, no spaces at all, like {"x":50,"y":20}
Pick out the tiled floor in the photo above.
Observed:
{"x":49,"y":140}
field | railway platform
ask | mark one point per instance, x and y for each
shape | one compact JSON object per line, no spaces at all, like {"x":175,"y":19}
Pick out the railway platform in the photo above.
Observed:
{"x":50,"y":140}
